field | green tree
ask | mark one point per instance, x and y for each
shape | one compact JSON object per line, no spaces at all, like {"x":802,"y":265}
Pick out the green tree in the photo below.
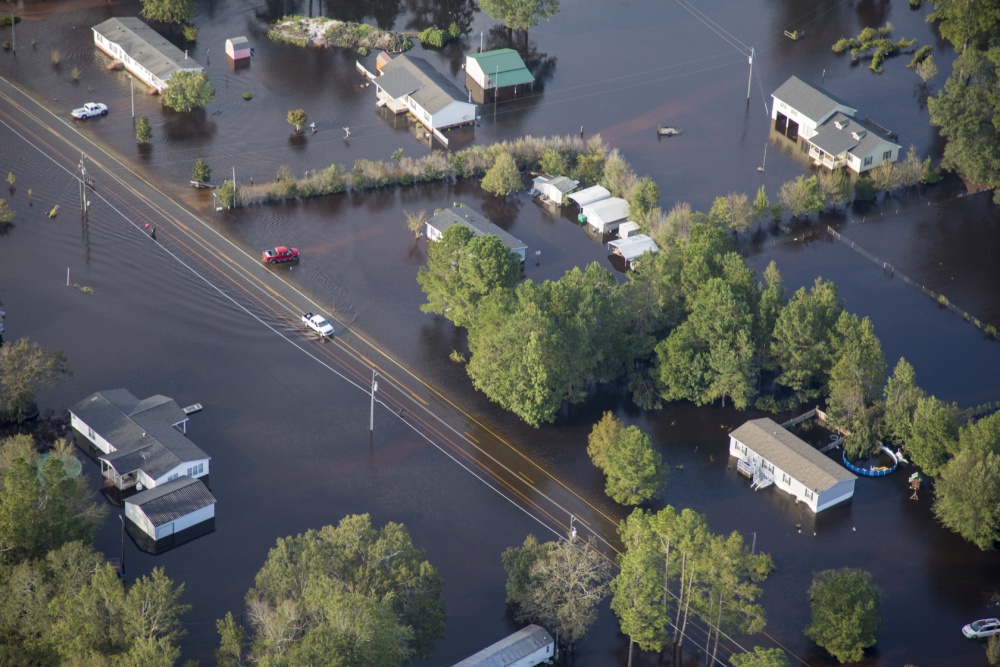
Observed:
{"x":856,"y":378}
{"x":503,"y":177}
{"x":982,"y":437}
{"x":733,"y":211}
{"x":885,"y":176}
{"x":801,"y":196}
{"x":761,"y":207}
{"x":772,"y":300}
{"x":834,"y":187}
{"x":232,"y":643}
{"x":967,"y":498}
{"x":298,"y":119}
{"x":6,"y":214}
{"x":643,"y":198}
{"x":802,"y":344}
{"x":967,"y":26}
{"x":168,"y":11}
{"x":651,"y":299}
{"x":639,"y":587}
{"x":603,"y":436}
{"x":188,"y":89}
{"x":25,"y":367}
{"x":520,"y":14}
{"x":933,"y":435}
{"x":369,"y":588}
{"x":589,"y":166}
{"x":143,"y":130}
{"x":518,"y":563}
{"x":635,"y":470}
{"x":901,"y":396}
{"x":461,"y":269}
{"x":227,"y":194}
{"x":760,"y":657}
{"x":553,"y":163}
{"x":202,"y":173}
{"x":846,"y":613}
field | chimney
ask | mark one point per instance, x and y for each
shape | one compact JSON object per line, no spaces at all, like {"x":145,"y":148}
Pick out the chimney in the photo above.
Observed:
{"x":185,"y":54}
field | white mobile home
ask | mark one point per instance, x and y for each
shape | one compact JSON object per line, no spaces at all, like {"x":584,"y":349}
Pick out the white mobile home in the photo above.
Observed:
{"x":479,"y":225}
{"x":554,"y":188}
{"x":828,"y":130}
{"x":769,"y":454}
{"x":144,"y":52}
{"x":529,"y":646}
{"x":605,"y":215}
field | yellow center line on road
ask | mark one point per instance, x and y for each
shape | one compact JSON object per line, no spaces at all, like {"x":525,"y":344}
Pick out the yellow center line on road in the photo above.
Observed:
{"x":531,"y":481}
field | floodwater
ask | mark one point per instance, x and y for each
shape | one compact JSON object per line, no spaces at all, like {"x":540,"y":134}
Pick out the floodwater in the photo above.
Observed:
{"x":289,"y":447}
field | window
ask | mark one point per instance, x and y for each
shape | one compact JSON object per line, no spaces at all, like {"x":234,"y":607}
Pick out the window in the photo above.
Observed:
{"x":887,"y":155}
{"x":194,"y":471}
{"x":809,"y":494}
{"x":868,"y":161}
{"x":174,"y":476}
{"x":785,"y":479}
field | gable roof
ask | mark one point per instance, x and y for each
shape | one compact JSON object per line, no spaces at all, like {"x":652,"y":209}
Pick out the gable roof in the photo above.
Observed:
{"x":812,"y":102}
{"x":503,"y":66}
{"x":791,"y":454}
{"x":634,"y":246}
{"x":172,"y":500}
{"x":145,"y":46}
{"x":413,"y":76}
{"x":611,"y":209}
{"x":142,"y":432}
{"x":510,"y":649}
{"x":562,"y":184}
{"x":479,"y":225}
{"x":841,"y":134}
{"x":589,"y":195}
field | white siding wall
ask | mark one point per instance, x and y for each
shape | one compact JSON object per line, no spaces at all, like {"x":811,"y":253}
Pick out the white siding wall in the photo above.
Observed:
{"x":182,"y":470}
{"x":135,"y":515}
{"x":455,"y":113}
{"x":536,"y":657}
{"x":433,"y":233}
{"x":186,"y":521}
{"x":90,"y":434}
{"x":476,"y":72}
{"x":878,"y":156}
{"x":838,"y":492}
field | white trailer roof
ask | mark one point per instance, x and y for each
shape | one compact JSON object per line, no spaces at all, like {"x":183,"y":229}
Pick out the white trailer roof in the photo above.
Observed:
{"x":634,"y":246}
{"x":590,"y":195}
{"x":605,"y":211}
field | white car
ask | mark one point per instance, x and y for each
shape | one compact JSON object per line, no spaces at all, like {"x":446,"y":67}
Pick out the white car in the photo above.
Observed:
{"x":984,"y":627}
{"x":318,"y":324}
{"x":90,"y":109}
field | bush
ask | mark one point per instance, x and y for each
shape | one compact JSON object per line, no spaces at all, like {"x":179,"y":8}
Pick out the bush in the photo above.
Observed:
{"x":190,"y":33}
{"x":201,"y":173}
{"x":433,"y":37}
{"x":864,"y":189}
{"x":248,"y":96}
{"x":55,"y":57}
{"x":74,"y":73}
{"x":454,"y":32}
{"x":943,"y":300}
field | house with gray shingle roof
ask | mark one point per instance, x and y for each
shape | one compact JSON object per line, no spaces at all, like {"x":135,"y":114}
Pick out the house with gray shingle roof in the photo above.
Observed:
{"x":479,"y":225}
{"x":144,"y":52}
{"x":529,"y":646}
{"x":770,"y":454}
{"x":829,"y":130}
{"x":145,"y":454}
{"x":409,"y":83}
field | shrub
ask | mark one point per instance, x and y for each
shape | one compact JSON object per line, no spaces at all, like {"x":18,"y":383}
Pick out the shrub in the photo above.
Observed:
{"x":864,"y":189}
{"x":433,"y":37}
{"x":55,"y":57}
{"x":74,"y":73}
{"x":298,"y":118}
{"x":248,"y":96}
{"x":991,"y":331}
{"x":201,"y":173}
{"x":943,"y":300}
{"x":190,"y":33}
{"x":6,"y":45}
{"x":143,"y":130}
{"x":454,"y":31}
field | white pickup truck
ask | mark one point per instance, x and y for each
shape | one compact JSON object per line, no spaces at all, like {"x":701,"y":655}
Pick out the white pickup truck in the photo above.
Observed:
{"x":318,"y":324}
{"x":90,"y":109}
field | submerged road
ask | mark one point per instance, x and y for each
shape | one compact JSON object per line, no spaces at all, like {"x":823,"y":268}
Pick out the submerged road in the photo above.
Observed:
{"x":266,"y":295}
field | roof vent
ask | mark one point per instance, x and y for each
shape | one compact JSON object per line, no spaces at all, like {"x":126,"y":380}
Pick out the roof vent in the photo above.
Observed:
{"x":839,"y":125}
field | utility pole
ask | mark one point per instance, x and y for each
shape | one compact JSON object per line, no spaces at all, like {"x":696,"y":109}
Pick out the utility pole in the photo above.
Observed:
{"x":371,"y":415}
{"x":83,"y":185}
{"x":13,"y":42}
{"x":122,"y":519}
{"x":750,"y":78}
{"x":131,"y":80}
{"x":480,"y":41}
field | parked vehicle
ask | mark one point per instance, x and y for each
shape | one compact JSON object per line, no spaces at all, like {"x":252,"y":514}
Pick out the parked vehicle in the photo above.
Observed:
{"x":279,"y":254}
{"x":318,"y":324}
{"x":90,"y":109}
{"x":984,"y":627}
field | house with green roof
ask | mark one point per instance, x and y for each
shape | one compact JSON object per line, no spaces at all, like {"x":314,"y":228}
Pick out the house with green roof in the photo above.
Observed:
{"x":497,"y":69}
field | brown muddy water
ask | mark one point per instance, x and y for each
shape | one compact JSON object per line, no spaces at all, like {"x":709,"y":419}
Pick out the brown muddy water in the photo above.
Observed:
{"x":289,"y":441}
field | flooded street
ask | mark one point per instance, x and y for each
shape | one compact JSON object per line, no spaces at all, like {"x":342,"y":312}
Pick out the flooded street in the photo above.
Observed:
{"x":289,"y":439}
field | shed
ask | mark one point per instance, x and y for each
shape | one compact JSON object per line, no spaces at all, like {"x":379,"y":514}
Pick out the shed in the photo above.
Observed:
{"x":606,"y":214}
{"x":627,"y":229}
{"x":590,"y":195}
{"x":529,"y":646}
{"x":170,"y":514}
{"x":480,"y":226}
{"x":500,"y":68}
{"x":554,"y":188}
{"x":238,"y":48}
{"x":633,"y":247}
{"x":770,"y":454}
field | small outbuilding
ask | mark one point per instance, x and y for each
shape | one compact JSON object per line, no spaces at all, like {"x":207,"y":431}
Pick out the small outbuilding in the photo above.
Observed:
{"x":238,"y":48}
{"x":529,"y":646}
{"x":588,"y":196}
{"x":554,"y":188}
{"x":627,"y":229}
{"x":768,"y":454}
{"x":170,"y":514}
{"x":479,"y":225}
{"x":605,"y":215}
{"x":633,"y":247}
